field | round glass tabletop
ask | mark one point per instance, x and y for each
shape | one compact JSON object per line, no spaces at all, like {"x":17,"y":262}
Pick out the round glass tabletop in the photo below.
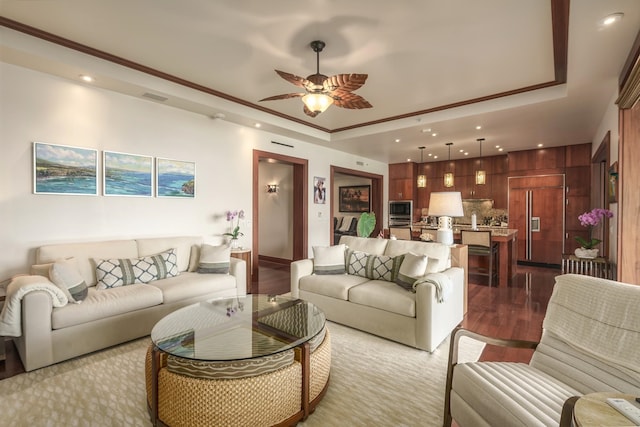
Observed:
{"x":237,"y":328}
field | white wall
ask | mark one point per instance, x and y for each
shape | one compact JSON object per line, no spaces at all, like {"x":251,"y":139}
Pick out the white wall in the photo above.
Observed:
{"x":276,"y":210}
{"x":609,"y":123}
{"x":40,"y":107}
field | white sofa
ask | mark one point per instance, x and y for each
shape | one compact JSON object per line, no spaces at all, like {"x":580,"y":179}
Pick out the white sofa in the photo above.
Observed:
{"x":590,"y":343}
{"x":382,"y":307}
{"x":112,"y":316}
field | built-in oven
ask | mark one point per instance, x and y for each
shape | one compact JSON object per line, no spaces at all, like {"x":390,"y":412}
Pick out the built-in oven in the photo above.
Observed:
{"x":400,"y":213}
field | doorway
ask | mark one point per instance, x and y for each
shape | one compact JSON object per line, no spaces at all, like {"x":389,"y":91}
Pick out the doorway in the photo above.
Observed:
{"x":298,"y":217}
{"x":375,"y":195}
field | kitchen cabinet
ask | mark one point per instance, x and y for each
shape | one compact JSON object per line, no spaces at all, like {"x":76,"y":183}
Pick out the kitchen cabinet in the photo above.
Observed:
{"x":402,"y":181}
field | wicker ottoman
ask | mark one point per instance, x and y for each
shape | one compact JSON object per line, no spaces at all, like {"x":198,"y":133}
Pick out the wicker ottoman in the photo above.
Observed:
{"x":276,"y":397}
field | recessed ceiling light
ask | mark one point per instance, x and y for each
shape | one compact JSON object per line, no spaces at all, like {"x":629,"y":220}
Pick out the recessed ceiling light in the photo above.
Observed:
{"x":257,"y":125}
{"x":434,"y":134}
{"x":540,"y":145}
{"x":429,"y":154}
{"x":497,"y":146}
{"x":426,"y":130}
{"x":611,"y":19}
{"x":408,"y":160}
{"x":499,"y":149}
{"x":397,"y":139}
{"x":466,"y":153}
{"x":462,"y":151}
{"x":86,"y":78}
{"x":435,"y":157}
{"x":478,"y":127}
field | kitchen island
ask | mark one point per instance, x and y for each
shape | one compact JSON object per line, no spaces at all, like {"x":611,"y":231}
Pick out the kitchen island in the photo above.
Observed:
{"x":507,"y":239}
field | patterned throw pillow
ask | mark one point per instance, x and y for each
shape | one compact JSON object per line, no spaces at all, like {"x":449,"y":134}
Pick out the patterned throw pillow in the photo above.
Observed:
{"x":329,"y":259}
{"x":383,"y":267}
{"x":111,"y":273}
{"x":357,"y":263}
{"x":214,"y":259}
{"x":413,"y":266}
{"x":64,"y":274}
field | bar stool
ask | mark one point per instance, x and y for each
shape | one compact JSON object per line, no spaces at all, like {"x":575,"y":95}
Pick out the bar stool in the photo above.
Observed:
{"x":480,"y":245}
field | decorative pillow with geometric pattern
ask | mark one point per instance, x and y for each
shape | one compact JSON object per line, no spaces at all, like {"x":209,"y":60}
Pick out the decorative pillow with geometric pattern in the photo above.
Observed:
{"x":357,"y":263}
{"x":383,"y":267}
{"x":111,"y":273}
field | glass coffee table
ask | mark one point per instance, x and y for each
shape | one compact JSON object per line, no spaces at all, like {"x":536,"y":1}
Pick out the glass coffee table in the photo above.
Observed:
{"x":248,"y":342}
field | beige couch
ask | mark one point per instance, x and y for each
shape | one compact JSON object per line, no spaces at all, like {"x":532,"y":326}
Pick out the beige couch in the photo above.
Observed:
{"x":112,"y":316}
{"x":590,"y":343}
{"x":382,"y":307}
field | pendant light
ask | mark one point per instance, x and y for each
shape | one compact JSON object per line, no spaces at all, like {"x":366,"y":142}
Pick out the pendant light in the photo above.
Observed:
{"x":422,"y":179}
{"x":448,"y":177}
{"x":481,"y":174}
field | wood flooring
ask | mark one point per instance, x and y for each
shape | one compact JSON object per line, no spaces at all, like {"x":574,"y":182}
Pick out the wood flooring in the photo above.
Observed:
{"x":514,"y":312}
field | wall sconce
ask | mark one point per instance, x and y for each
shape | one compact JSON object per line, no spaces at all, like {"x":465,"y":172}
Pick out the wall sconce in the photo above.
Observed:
{"x":272,"y":188}
{"x":448,"y":177}
{"x":422,"y":179}
{"x":481,"y":175}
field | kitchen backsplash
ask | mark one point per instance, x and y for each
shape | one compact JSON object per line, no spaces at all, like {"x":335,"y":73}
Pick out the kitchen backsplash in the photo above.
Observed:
{"x":485,"y":213}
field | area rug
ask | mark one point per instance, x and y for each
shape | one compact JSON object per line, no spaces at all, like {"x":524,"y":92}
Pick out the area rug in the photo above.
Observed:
{"x":374,"y":382}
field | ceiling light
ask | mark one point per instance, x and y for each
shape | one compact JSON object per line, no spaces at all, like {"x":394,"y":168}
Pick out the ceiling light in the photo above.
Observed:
{"x":497,"y":146}
{"x":461,"y":150}
{"x":257,"y":125}
{"x":481,"y":174}
{"x":426,"y":130}
{"x":466,"y":153}
{"x":86,"y":78}
{"x":397,"y":139}
{"x":478,"y":127}
{"x":540,"y":145}
{"x":500,"y":149}
{"x":434,"y":134}
{"x":435,"y":157}
{"x":422,"y":179}
{"x":429,"y":154}
{"x":611,"y":19}
{"x":317,"y":102}
{"x":448,"y":177}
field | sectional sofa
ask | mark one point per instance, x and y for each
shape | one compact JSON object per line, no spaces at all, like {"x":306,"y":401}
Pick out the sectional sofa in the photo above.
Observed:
{"x":52,"y":330}
{"x":366,"y":295}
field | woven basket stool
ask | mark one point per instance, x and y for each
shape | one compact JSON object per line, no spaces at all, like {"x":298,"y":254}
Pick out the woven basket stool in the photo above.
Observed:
{"x":269,"y":399}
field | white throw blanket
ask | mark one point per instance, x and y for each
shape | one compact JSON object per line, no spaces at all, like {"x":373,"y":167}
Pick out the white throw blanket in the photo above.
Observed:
{"x":11,"y":316}
{"x":442,"y":283}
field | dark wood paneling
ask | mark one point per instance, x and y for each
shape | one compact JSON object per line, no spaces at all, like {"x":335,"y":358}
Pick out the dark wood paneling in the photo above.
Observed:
{"x":578,"y":180}
{"x":538,"y":161}
{"x":578,"y":155}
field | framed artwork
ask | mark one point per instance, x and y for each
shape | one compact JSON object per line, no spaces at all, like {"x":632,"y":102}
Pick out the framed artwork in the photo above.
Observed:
{"x":127,"y":174}
{"x":319,"y":190}
{"x":613,"y":183}
{"x":61,"y":169}
{"x":175,"y":178}
{"x":355,"y":198}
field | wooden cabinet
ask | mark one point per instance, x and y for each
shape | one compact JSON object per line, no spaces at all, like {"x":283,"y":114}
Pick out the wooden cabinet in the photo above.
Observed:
{"x":402,"y":181}
{"x":537,"y":162}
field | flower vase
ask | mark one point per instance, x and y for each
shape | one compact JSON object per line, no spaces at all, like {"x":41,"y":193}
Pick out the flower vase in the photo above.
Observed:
{"x":234,"y":244}
{"x":586,"y":253}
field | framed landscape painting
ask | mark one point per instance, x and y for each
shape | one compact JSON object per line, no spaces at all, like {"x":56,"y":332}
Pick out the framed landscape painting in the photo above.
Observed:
{"x":175,"y":178}
{"x":62,"y":169}
{"x":127,"y":174}
{"x":354,"y":198}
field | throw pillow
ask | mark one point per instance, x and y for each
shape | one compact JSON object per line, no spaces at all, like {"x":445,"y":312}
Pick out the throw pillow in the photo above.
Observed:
{"x":112,"y":273}
{"x":413,"y":266}
{"x":383,"y":267}
{"x":64,"y":274}
{"x":329,"y":259}
{"x":346,"y":223}
{"x":214,"y":259}
{"x":357,"y":263}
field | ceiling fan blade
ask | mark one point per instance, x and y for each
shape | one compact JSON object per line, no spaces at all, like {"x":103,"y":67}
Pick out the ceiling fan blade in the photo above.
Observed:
{"x":349,"y":100}
{"x":293,"y":79}
{"x":309,"y":112}
{"x":346,"y":82}
{"x":285,"y":96}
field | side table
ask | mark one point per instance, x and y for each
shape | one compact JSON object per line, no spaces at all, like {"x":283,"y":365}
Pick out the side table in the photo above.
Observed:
{"x":596,"y":267}
{"x":245,"y":255}
{"x":593,"y":410}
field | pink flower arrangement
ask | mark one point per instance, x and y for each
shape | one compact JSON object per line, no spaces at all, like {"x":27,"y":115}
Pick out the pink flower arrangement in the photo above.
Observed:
{"x":237,"y":215}
{"x":592,"y":219}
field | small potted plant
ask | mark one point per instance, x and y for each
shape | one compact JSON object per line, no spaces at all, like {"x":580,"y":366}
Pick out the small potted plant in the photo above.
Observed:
{"x":590,"y":220}
{"x":235,"y":231}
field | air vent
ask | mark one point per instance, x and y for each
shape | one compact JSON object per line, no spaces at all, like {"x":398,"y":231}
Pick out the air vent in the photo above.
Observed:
{"x":154,"y":97}
{"x":359,"y":163}
{"x":281,"y":143}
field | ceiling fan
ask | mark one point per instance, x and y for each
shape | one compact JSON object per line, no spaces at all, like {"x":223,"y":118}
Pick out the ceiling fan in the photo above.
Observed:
{"x":322,"y":91}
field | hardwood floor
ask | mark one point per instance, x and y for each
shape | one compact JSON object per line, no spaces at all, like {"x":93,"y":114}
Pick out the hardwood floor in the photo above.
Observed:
{"x":514,"y":312}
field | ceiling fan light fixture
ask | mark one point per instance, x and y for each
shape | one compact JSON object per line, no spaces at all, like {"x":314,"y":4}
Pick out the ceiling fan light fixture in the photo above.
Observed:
{"x":317,"y":102}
